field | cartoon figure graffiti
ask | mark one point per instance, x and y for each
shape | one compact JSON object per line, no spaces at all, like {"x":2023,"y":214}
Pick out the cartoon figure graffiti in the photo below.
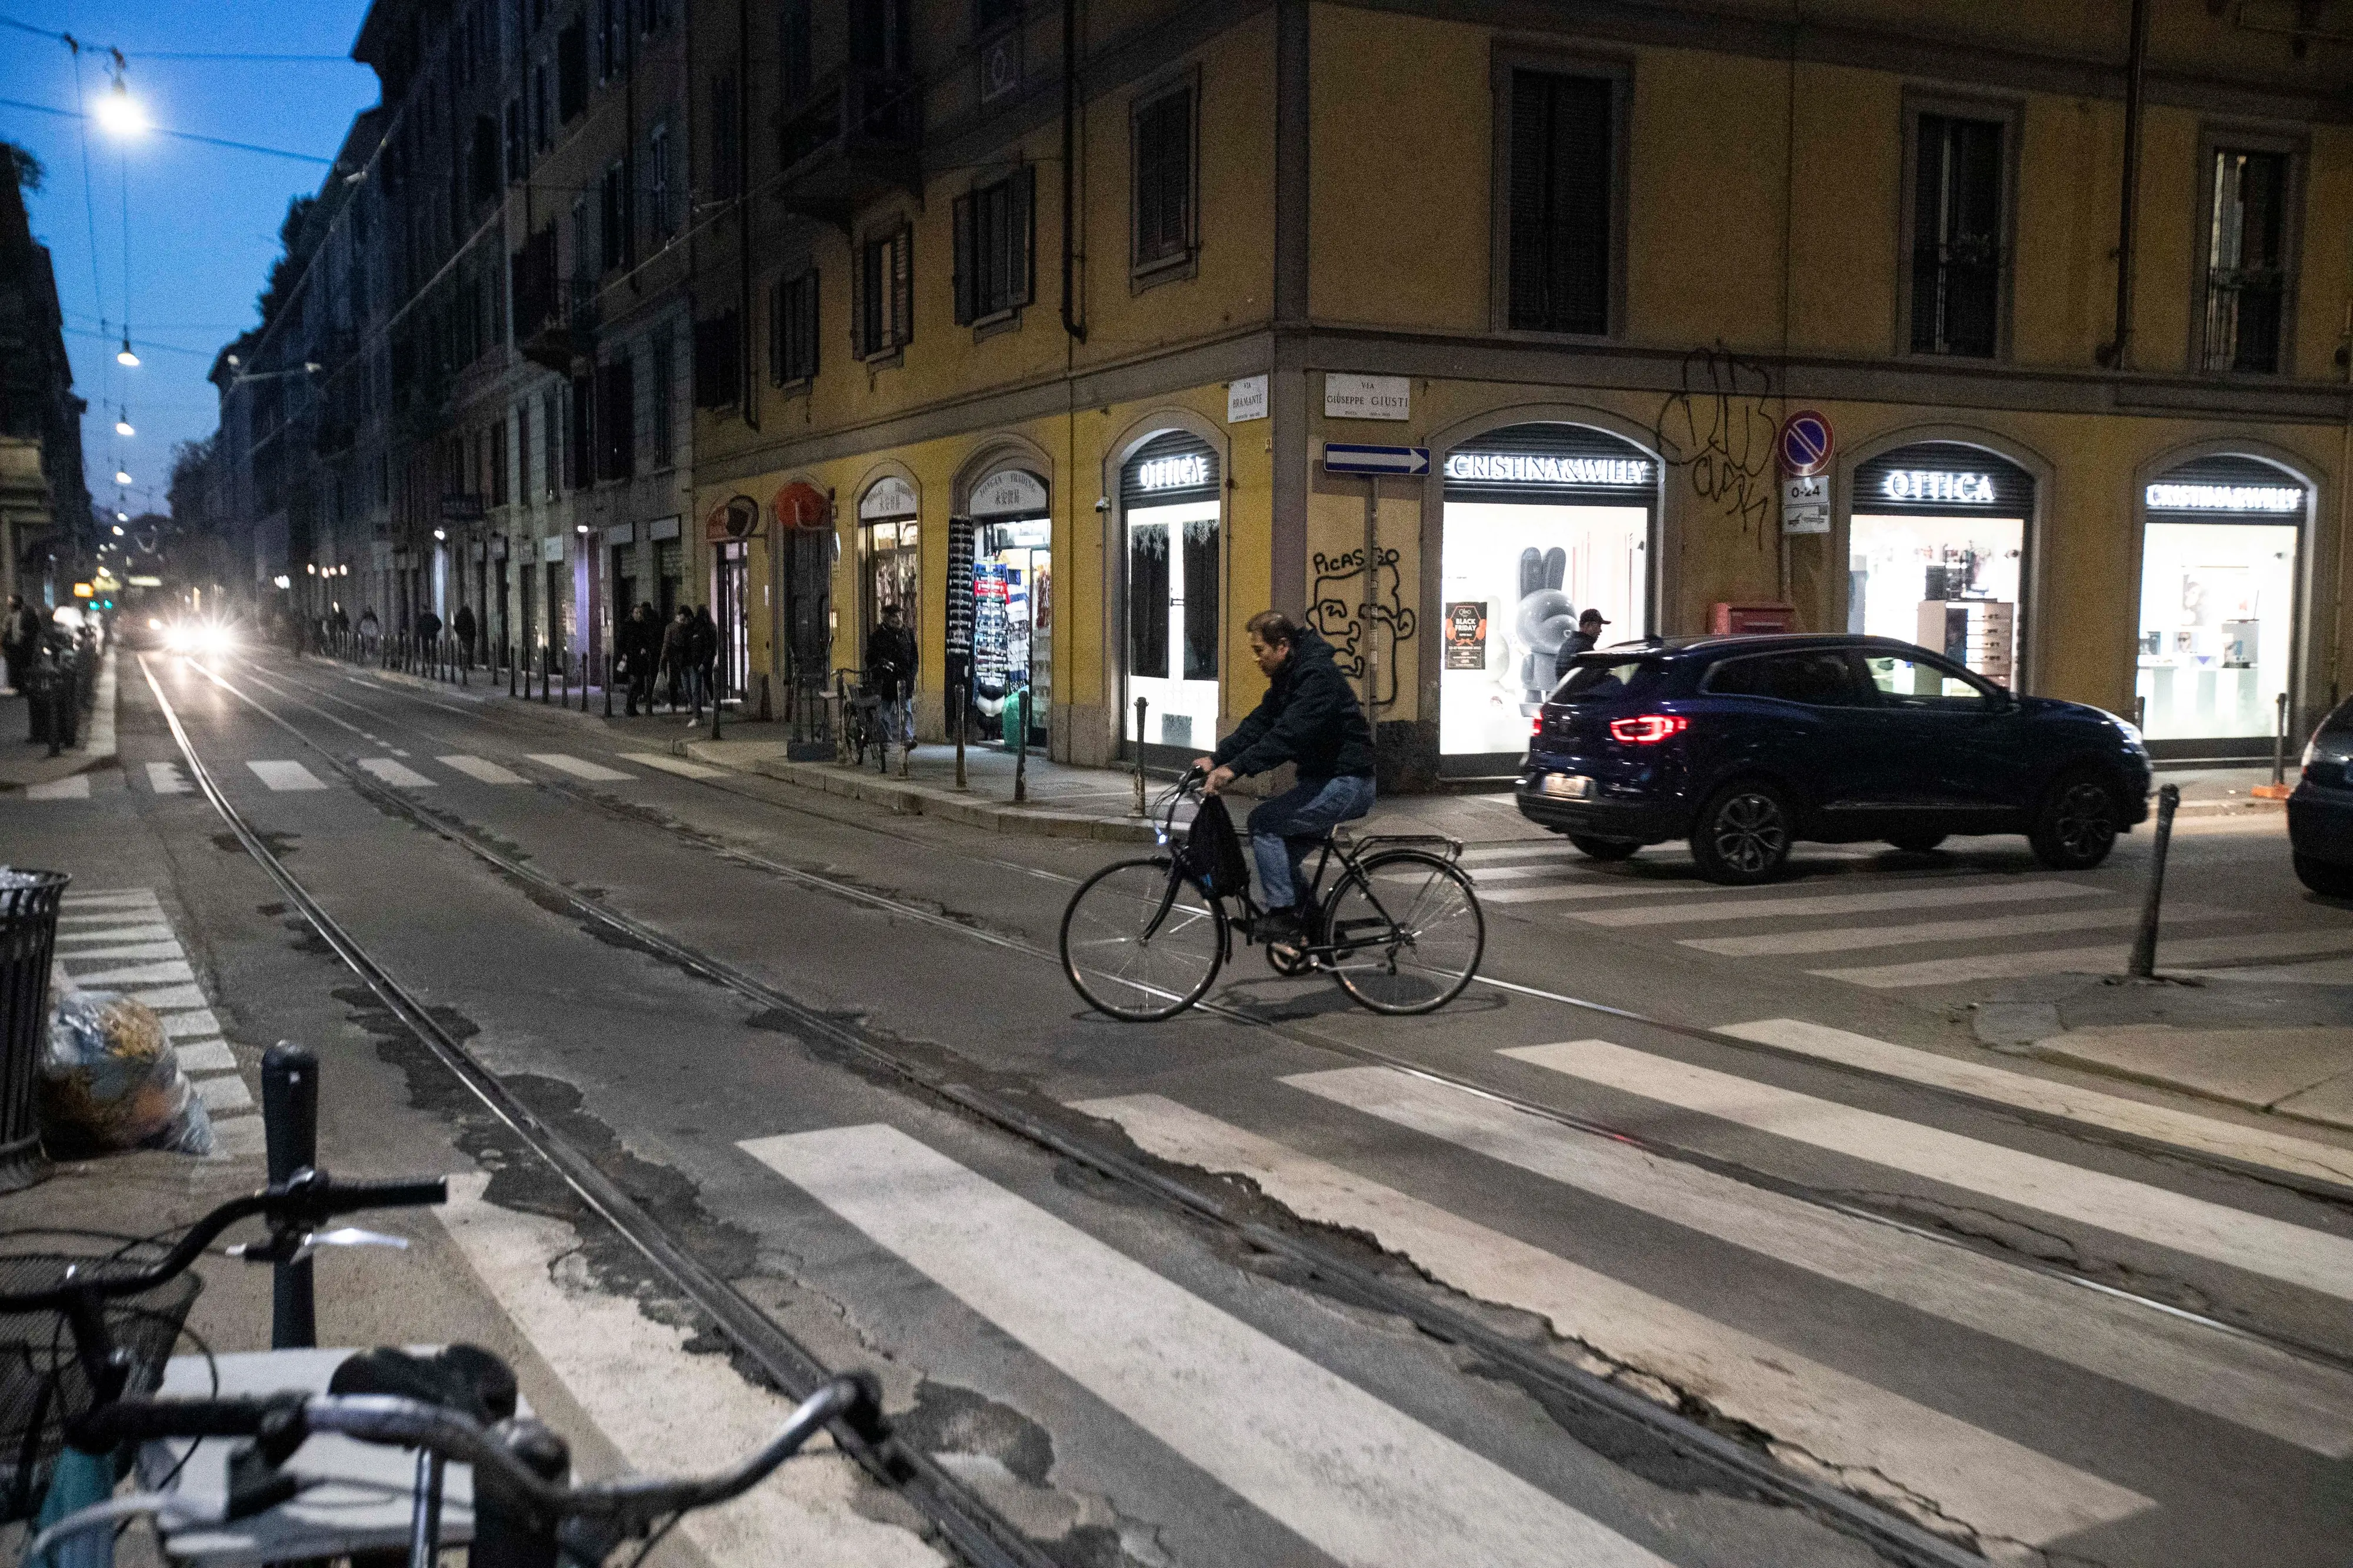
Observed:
{"x":1338,"y":612}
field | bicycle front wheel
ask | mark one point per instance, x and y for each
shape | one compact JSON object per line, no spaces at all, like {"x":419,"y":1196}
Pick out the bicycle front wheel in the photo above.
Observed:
{"x":1405,"y":931}
{"x":1142,"y":942}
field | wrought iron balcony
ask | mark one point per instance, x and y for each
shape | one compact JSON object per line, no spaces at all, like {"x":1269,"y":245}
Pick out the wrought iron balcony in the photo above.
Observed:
{"x":565,"y":334}
{"x":853,"y":139}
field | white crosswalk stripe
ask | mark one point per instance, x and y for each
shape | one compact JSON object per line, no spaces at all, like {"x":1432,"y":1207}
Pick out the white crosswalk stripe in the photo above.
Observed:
{"x":482,"y":770}
{"x":677,"y":765}
{"x":1980,"y":1478}
{"x":1592,"y":888}
{"x":1856,"y":939}
{"x":2256,"y":1243}
{"x":2001,"y":1086}
{"x":2089,"y":959}
{"x":165,"y":778}
{"x":397,"y":774}
{"x":175,"y":971}
{"x":1775,"y":904}
{"x":165,"y":949}
{"x":115,"y":934}
{"x":285,"y":775}
{"x":579,"y":768}
{"x":2236,"y":1379}
{"x":1353,"y":1476}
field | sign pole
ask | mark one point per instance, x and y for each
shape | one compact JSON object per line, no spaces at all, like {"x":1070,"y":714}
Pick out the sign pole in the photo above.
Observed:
{"x":1371,"y":630}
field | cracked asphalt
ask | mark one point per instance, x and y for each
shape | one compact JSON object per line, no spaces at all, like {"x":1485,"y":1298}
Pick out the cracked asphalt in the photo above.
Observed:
{"x":1064,"y":1358}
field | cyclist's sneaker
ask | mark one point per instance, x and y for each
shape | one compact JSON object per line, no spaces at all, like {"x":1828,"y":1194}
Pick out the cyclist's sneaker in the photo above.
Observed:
{"x":1281,"y":926}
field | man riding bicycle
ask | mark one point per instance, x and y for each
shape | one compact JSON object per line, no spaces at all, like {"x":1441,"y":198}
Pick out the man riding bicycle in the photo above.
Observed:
{"x":1309,"y":717}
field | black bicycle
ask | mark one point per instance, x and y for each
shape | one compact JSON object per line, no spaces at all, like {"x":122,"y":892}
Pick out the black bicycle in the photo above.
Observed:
{"x":1400,"y":929}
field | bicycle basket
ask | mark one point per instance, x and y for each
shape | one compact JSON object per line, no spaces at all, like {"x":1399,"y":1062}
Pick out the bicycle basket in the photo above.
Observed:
{"x":1212,"y":854}
{"x":41,"y":1383}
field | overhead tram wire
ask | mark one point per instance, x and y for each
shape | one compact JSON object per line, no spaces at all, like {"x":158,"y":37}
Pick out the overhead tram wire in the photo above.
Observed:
{"x":162,"y":131}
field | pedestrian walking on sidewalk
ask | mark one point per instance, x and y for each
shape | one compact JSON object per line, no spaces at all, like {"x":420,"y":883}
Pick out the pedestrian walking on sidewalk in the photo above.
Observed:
{"x":891,"y":670}
{"x":463,"y":626}
{"x":703,"y":651}
{"x":677,"y":644}
{"x":20,"y":635}
{"x":428,"y":633}
{"x":369,"y":629}
{"x":637,"y":646}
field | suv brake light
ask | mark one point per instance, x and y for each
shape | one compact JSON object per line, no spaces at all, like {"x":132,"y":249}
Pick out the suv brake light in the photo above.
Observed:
{"x":1649,"y":730}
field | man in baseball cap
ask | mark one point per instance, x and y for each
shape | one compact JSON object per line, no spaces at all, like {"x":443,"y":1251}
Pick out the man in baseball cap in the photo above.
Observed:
{"x":1587,"y":633}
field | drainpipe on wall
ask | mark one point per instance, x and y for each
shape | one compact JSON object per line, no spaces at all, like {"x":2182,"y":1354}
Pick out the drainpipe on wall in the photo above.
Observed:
{"x":1072,"y":326}
{"x":2114,"y":354}
{"x":750,"y":378}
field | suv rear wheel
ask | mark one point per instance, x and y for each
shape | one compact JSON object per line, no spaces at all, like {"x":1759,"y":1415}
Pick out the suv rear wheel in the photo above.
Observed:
{"x":2077,"y":824}
{"x":1743,"y":834}
{"x":2325,"y":876}
{"x":1594,"y":848}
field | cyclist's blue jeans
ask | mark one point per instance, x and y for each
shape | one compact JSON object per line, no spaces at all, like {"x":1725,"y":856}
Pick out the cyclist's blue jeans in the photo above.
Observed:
{"x":1285,"y":829}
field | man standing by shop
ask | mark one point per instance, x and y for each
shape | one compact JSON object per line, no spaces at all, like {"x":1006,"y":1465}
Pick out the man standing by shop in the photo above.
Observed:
{"x":1309,"y":717}
{"x":1581,"y":640}
{"x":461,"y":626}
{"x":891,"y":669}
{"x":20,"y":635}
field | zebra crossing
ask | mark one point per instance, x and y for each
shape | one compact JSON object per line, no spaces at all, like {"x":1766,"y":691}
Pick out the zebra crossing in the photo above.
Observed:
{"x":1364,"y":1481}
{"x":1872,"y":935}
{"x":291,"y":775}
{"x":121,"y":940}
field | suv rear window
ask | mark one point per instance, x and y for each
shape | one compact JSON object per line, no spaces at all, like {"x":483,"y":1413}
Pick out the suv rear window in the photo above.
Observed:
{"x":1605,"y":678}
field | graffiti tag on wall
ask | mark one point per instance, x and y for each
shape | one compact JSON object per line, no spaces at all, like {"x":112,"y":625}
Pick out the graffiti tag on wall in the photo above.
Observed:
{"x":1337,"y":609}
{"x":1716,"y":427}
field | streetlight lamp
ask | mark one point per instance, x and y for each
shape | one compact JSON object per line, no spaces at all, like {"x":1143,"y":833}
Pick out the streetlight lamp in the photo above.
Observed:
{"x":122,"y":477}
{"x":118,"y":112}
{"x":126,"y":356}
{"x":122,"y":426}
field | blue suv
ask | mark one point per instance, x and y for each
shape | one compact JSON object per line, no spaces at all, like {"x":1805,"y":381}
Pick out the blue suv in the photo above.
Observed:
{"x":1746,"y":744}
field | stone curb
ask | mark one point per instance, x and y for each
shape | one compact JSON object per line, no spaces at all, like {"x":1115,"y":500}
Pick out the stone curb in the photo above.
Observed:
{"x":2045,"y":1050}
{"x":917,"y":800}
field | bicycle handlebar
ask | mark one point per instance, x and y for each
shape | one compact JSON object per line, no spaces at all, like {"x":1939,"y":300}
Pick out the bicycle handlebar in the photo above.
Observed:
{"x":629,"y":1501}
{"x":301,"y":1202}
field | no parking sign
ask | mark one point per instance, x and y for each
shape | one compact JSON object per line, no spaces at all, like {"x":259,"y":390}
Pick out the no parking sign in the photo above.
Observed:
{"x":1805,"y":444}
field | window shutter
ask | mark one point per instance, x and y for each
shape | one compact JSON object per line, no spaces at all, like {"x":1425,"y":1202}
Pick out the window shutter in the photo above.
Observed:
{"x":805,"y":361}
{"x":1021,"y":224}
{"x":776,"y":376}
{"x":860,"y":283}
{"x":966,"y":285}
{"x":903,"y":287}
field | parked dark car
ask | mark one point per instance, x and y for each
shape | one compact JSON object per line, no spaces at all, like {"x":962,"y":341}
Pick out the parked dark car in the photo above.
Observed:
{"x":1748,"y":744}
{"x":2320,"y":812}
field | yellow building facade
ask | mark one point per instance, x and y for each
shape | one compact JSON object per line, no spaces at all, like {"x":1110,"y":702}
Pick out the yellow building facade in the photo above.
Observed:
{"x":1570,"y":288}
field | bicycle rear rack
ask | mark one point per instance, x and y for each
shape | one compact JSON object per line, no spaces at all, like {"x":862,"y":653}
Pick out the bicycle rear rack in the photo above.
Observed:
{"x":1349,"y":845}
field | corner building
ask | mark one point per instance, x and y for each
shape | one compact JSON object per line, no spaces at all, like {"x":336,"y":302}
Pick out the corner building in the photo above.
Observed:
{"x":1044,"y":325}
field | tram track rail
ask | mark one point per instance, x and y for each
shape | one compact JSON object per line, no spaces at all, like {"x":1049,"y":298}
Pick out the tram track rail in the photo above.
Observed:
{"x":979,"y":1536}
{"x":465,"y":836}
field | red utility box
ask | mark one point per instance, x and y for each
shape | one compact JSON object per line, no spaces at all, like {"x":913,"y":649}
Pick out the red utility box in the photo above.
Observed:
{"x":1724,"y":619}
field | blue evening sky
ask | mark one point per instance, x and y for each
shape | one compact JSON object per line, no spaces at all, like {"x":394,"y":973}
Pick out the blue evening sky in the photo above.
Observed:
{"x":203,"y":220}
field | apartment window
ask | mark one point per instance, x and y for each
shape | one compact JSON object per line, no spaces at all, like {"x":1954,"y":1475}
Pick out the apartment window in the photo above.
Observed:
{"x":515,"y":147}
{"x":584,"y":266}
{"x":617,"y":420}
{"x":882,"y":311}
{"x":792,"y":330}
{"x":796,"y":50}
{"x":661,"y":375}
{"x":539,"y":106}
{"x":726,"y":137}
{"x":2246,"y":275}
{"x":499,"y":463}
{"x":1957,"y":236}
{"x":880,"y":31}
{"x":993,"y":271}
{"x":1162,"y":132}
{"x":522,"y":451}
{"x":658,"y":204}
{"x":988,"y":15}
{"x":572,"y":71}
{"x":653,"y":15}
{"x":584,"y":432}
{"x":1560,"y":197}
{"x":718,"y":376}
{"x":486,"y":158}
{"x":610,"y":41}
{"x":550,"y":421}
{"x":613,"y":217}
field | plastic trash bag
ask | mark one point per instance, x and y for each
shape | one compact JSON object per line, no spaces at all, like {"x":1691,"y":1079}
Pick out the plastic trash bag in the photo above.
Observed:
{"x":110,"y":1081}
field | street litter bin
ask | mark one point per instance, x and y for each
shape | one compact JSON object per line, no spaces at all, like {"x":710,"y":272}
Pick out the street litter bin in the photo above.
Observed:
{"x":28,"y":935}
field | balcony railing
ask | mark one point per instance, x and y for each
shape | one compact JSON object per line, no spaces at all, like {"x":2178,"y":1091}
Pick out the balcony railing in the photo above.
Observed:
{"x":566,"y":332}
{"x":853,"y":139}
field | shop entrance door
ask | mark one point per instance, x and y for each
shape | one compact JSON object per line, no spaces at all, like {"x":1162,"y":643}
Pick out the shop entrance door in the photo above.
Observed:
{"x":728,"y":572}
{"x":2217,"y":628}
{"x":1013,"y":627}
{"x":1174,"y":512}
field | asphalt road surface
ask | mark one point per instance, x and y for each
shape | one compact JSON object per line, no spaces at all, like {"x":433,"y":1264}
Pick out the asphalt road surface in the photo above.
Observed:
{"x":1682,"y":1237}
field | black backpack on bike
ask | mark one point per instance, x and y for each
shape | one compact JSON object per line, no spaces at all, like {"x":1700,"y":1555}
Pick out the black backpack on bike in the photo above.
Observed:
{"x":1212,"y":853}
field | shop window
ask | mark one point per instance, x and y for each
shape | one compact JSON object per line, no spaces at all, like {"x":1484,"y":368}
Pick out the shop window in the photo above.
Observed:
{"x":1147,"y":600}
{"x":1957,"y":221}
{"x":1561,"y":194}
{"x":1163,"y":178}
{"x":1936,"y":553}
{"x":2218,"y":588}
{"x":882,"y":313}
{"x":995,"y":274}
{"x":616,"y":407}
{"x":2246,"y":278}
{"x":792,"y":330}
{"x":717,"y":379}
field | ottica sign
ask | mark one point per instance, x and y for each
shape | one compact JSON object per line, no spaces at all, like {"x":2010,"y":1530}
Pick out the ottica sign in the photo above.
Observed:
{"x":1917,"y":485}
{"x":1185,"y":472}
{"x":1527,"y":468}
{"x":2225,"y":498}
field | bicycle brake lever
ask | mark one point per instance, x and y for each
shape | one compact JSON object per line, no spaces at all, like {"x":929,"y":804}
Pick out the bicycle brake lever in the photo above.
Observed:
{"x":347,"y":1236}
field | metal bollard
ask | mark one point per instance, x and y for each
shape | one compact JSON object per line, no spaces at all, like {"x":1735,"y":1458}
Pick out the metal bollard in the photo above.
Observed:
{"x":962,"y":702}
{"x":2279,"y":744}
{"x":608,"y":680}
{"x":1021,"y":750}
{"x":2144,"y":952}
{"x":1140,"y":705}
{"x":289,"y":1123}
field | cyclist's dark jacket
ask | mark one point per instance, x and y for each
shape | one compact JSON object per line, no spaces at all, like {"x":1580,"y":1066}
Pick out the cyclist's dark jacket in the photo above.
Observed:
{"x":1308,"y":716}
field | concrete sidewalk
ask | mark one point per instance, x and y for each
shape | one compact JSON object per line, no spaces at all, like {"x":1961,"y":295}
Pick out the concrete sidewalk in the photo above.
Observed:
{"x":26,"y":767}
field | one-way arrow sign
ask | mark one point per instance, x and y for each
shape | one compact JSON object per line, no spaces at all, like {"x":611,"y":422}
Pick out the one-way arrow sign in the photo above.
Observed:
{"x":1345,"y":460}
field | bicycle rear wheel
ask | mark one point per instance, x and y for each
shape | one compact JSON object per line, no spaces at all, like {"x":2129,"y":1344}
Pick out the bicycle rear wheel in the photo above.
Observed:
{"x":1141,"y":943}
{"x":1405,"y":931}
